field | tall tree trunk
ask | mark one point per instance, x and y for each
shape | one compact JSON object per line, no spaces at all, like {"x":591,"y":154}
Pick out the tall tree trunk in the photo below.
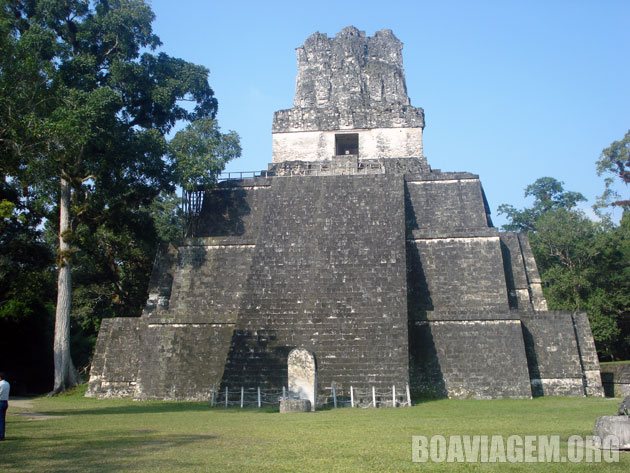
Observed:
{"x":65,"y":373}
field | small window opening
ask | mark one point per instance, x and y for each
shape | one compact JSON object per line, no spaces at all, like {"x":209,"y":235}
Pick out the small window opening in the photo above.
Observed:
{"x":346,"y":143}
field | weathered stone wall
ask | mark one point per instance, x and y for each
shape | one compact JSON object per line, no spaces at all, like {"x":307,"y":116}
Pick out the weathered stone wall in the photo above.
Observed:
{"x":233,"y":211}
{"x":588,"y":355}
{"x":386,"y":278}
{"x":117,"y":356}
{"x":387,"y":271}
{"x":463,"y":279}
{"x":318,"y":264}
{"x":464,"y":341}
{"x":349,"y":165}
{"x":210,"y":282}
{"x":616,"y":379}
{"x":328,"y":275}
{"x":515,"y":272}
{"x":161,"y":281}
{"x":552,"y":354}
{"x":454,"y":259}
{"x":478,"y":356}
{"x":181,"y":361}
{"x":457,"y":274}
{"x":136,"y":358}
{"x":349,"y":82}
{"x":441,"y":203}
{"x":350,"y":69}
{"x":178,"y":349}
{"x":332,"y":118}
{"x":373,"y":144}
{"x":533,"y":278}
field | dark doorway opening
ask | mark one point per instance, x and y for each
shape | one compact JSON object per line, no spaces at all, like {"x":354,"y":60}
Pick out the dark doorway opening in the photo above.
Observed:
{"x":346,"y":143}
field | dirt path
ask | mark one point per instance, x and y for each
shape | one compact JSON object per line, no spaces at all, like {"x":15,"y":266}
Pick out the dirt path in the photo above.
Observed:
{"x":23,"y":407}
{"x":21,"y":403}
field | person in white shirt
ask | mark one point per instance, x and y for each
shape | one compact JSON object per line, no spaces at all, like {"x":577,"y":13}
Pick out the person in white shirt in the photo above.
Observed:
{"x":4,"y":403}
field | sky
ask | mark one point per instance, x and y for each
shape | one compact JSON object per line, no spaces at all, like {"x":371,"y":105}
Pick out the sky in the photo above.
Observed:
{"x":512,"y":90}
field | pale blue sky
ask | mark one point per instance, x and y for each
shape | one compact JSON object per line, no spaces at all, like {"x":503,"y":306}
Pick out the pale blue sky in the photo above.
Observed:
{"x":512,"y":90}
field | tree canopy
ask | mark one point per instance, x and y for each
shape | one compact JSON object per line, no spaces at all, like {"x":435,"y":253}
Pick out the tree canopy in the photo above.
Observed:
{"x":614,"y":162}
{"x":584,"y":264}
{"x":86,"y":103}
{"x":549,"y":195}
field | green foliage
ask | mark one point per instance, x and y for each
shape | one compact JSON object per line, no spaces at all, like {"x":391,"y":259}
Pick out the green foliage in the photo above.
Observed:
{"x":6,"y":209}
{"x":85,"y":96}
{"x":27,"y":290}
{"x":200,"y":153}
{"x":26,"y":281}
{"x":614,"y":162}
{"x":548,"y":194}
{"x":584,"y":265}
{"x":168,"y":217}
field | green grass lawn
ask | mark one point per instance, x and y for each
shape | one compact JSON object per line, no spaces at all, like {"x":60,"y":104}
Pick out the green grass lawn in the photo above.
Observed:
{"x":614,"y":363}
{"x":89,"y":435}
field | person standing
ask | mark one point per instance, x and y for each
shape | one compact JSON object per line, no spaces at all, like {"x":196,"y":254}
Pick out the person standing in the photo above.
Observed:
{"x":4,"y":403}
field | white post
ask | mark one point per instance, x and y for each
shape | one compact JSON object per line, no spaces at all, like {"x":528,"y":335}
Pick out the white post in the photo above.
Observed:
{"x":259,"y":403}
{"x":373,"y":396}
{"x":351,"y":397}
{"x":393,"y":395}
{"x":334,"y":393}
{"x":408,"y":397}
{"x":226,"y":396}
{"x":284,"y":393}
{"x":242,"y":396}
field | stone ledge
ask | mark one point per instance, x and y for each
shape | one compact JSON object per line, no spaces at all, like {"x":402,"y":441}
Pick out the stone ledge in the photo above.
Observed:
{"x":480,"y":315}
{"x":436,"y":175}
{"x":616,"y":380}
{"x":455,"y":233}
{"x":294,"y":405}
{"x":235,"y":241}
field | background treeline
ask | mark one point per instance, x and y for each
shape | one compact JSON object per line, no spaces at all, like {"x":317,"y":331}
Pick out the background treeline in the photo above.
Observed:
{"x":584,"y":263}
{"x":88,"y":174}
{"x":89,"y":166}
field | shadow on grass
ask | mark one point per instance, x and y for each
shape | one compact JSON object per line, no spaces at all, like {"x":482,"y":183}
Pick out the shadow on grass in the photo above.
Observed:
{"x":148,"y":407}
{"x":102,"y":451}
{"x":139,"y":408}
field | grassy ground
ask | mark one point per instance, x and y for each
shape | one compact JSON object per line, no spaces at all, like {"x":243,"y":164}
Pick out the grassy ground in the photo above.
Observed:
{"x":75,"y":434}
{"x":614,"y":363}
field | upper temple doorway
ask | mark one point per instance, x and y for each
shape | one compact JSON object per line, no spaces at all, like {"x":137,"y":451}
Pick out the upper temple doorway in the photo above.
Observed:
{"x":346,"y":143}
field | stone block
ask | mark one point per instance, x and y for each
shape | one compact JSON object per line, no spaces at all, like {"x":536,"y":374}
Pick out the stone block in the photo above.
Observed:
{"x":295,"y":405}
{"x":302,"y":375}
{"x":617,"y":426}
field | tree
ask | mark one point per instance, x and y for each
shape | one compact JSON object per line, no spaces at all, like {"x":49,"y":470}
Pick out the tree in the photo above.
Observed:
{"x":614,"y":162}
{"x":200,"y":152}
{"x":548,"y":194}
{"x":26,"y":293}
{"x":580,"y":262}
{"x":584,"y":264}
{"x":168,"y":217}
{"x":85,"y":98}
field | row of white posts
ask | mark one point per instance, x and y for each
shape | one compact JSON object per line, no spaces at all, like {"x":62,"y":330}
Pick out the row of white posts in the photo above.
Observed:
{"x":352,"y":403}
{"x":213,"y":401}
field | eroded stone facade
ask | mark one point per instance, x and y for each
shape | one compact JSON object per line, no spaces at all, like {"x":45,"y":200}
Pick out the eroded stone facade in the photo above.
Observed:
{"x":389,"y":272}
{"x":351,"y":84}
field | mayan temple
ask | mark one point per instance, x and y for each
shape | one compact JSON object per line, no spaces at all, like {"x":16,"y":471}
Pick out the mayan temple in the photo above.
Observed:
{"x":352,"y":247}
